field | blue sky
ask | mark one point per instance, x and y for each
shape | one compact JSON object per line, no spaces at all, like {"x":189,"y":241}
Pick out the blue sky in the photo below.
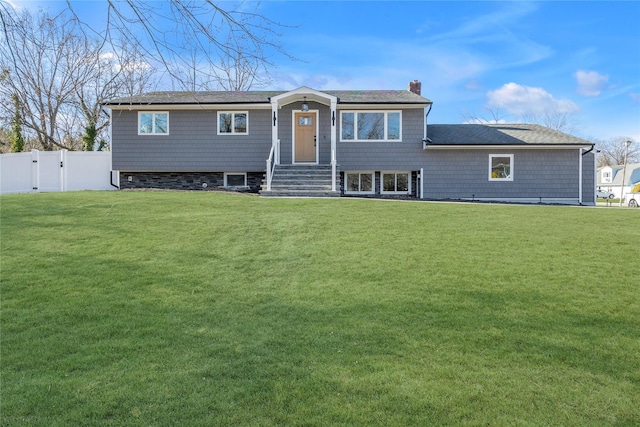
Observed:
{"x":513,"y":58}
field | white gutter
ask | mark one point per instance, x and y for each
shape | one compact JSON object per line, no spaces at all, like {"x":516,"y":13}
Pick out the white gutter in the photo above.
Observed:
{"x":203,"y":106}
{"x":505,"y":147}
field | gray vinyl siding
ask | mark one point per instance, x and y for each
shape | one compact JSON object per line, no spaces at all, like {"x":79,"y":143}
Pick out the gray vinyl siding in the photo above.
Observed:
{"x":588,"y":179}
{"x":406,"y":154}
{"x":462,"y":174}
{"x":191,"y":145}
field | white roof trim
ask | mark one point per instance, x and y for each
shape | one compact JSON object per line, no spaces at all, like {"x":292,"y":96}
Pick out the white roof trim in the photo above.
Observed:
{"x":173,"y":107}
{"x":524,"y":146}
{"x":381,"y":106}
{"x":299,"y":94}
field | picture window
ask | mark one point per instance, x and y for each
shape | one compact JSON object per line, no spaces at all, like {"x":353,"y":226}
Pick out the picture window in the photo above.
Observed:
{"x":371,"y":126}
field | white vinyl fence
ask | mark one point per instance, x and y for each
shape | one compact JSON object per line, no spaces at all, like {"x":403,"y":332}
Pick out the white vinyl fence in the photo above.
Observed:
{"x":40,"y":171}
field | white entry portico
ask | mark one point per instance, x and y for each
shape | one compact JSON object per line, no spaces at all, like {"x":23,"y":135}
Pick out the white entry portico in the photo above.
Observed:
{"x":303,"y":95}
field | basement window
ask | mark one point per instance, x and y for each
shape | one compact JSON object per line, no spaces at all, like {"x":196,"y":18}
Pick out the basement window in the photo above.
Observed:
{"x":235,"y":179}
{"x":396,"y":182}
{"x":359,"y":183}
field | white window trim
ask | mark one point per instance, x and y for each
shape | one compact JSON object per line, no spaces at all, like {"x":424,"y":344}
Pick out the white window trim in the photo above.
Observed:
{"x":386,"y":125}
{"x":233,"y":119}
{"x":153,"y":122}
{"x":511,"y":168}
{"x":383,"y":173}
{"x":373,"y":182}
{"x":235,"y":173}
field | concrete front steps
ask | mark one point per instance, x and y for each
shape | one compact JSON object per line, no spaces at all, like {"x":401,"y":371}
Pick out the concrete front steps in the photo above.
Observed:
{"x":301,"y":181}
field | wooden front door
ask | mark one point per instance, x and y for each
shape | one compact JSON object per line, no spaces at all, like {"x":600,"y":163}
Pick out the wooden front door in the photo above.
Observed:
{"x":305,"y":137}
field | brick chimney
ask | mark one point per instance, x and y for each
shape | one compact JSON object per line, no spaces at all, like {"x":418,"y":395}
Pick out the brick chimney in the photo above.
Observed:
{"x":415,"y":87}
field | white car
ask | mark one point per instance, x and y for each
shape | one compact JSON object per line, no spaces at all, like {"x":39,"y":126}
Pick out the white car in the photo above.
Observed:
{"x":603,"y":194}
{"x":632,"y":200}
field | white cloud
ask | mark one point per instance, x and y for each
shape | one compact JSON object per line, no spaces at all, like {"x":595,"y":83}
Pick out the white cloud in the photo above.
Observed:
{"x":524,"y":100}
{"x":635,"y":97}
{"x":462,"y":53}
{"x":590,"y":83}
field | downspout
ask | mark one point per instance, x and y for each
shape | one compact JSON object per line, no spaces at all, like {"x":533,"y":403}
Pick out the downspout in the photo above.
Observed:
{"x":110,"y":113}
{"x":424,"y":147}
{"x":426,"y":138}
{"x":586,"y":152}
{"x":111,"y":180}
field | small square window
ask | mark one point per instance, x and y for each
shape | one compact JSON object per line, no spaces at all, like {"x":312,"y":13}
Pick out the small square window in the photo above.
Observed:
{"x":500,"y":167}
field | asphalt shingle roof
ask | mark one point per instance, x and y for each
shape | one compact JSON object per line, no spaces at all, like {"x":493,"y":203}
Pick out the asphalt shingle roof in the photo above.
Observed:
{"x":499,"y":134}
{"x":250,"y":97}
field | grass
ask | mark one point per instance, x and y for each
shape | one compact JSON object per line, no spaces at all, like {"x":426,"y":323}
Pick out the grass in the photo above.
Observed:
{"x":179,"y":308}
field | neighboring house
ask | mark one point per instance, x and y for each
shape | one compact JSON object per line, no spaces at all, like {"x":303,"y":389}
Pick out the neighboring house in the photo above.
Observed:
{"x":610,"y":178}
{"x":367,"y":143}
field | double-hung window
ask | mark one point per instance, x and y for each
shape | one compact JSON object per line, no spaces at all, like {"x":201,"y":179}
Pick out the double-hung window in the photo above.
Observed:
{"x":396,"y":182}
{"x":371,"y":126}
{"x":233,"y":122}
{"x":500,"y":167}
{"x":153,"y":123}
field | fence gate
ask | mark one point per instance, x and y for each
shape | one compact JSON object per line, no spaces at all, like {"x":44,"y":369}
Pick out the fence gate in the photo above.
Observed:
{"x":50,"y":165}
{"x":46,"y":171}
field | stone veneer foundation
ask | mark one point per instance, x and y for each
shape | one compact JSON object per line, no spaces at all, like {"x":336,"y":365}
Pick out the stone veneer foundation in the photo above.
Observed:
{"x":186,"y":181}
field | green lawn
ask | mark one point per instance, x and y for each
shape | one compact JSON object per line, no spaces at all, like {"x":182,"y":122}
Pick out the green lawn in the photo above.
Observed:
{"x":206,"y":309}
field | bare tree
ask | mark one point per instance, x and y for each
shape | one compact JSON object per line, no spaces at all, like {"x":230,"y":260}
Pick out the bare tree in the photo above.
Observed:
{"x":109,"y":76}
{"x":556,"y":119}
{"x":237,"y":71}
{"x":492,"y":116}
{"x":62,"y":77}
{"x":197,"y":42}
{"x":612,"y":151}
{"x":43,"y":64}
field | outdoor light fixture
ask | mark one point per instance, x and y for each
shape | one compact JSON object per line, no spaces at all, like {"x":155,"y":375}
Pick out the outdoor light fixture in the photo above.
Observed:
{"x":624,"y":171}
{"x":305,"y":105}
